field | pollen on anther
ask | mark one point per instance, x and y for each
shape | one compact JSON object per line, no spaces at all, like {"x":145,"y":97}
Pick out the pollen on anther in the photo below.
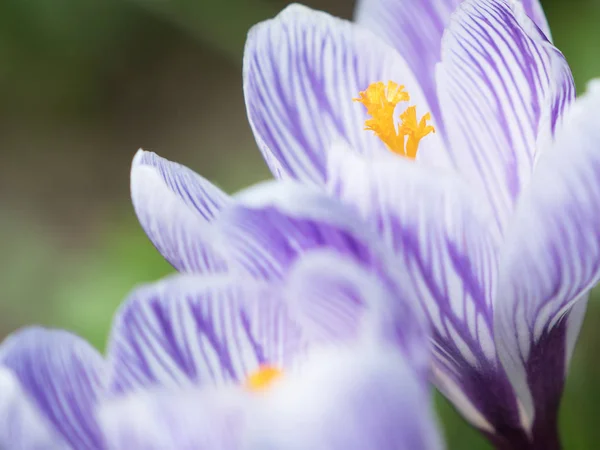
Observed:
{"x":263,"y":378}
{"x":381,"y":100}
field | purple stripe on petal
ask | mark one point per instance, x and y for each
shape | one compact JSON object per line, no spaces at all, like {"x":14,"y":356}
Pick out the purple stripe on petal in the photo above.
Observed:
{"x":175,"y":207}
{"x":191,"y":329}
{"x":551,"y":260}
{"x":503,"y":89}
{"x":273,"y":224}
{"x":63,"y":376}
{"x":301,"y":71}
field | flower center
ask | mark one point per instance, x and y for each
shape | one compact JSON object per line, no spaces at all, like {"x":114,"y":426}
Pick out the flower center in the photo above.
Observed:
{"x":380,"y":101}
{"x":263,"y":378}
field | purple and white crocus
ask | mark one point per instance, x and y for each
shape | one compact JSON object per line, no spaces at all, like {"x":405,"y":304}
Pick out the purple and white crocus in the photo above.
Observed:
{"x":311,"y":345}
{"x":494,"y":223}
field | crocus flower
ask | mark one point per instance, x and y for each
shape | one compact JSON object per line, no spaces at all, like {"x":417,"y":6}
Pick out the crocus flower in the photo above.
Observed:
{"x":450,"y":126}
{"x":267,"y":386}
{"x":235,"y":359}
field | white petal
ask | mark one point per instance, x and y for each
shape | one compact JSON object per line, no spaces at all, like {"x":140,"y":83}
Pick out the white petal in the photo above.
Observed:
{"x":189,"y":419}
{"x":22,"y":425}
{"x":373,"y":400}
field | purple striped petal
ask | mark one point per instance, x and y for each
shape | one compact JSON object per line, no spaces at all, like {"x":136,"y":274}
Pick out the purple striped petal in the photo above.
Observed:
{"x":175,"y":207}
{"x":301,"y":71}
{"x":336,"y":300}
{"x":274,"y":223}
{"x":199,"y":194}
{"x":445,"y":258}
{"x":63,"y":376}
{"x":373,"y":400}
{"x":191,"y":329}
{"x":22,"y":426}
{"x":174,"y":419}
{"x":415,"y":29}
{"x":552,"y":259}
{"x":503,"y":89}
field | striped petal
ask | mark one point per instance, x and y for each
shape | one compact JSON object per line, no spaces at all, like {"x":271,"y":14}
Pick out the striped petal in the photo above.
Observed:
{"x":175,"y":419}
{"x":63,"y":377}
{"x":415,"y":29}
{"x":274,"y":223}
{"x":373,"y":400}
{"x":190,"y":329}
{"x":22,"y":426}
{"x":445,"y":257}
{"x":175,"y":206}
{"x":552,"y":259}
{"x":503,"y":89}
{"x":301,"y":71}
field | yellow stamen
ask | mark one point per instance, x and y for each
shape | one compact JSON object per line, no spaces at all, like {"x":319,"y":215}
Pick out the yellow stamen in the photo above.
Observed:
{"x":380,"y":101}
{"x":263,"y":378}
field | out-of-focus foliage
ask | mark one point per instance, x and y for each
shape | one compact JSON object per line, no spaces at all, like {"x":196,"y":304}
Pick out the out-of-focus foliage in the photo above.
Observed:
{"x":84,"y":83}
{"x":62,"y":50}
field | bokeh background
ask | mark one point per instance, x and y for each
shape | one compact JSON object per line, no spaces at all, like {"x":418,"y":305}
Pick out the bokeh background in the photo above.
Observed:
{"x":85,"y":83}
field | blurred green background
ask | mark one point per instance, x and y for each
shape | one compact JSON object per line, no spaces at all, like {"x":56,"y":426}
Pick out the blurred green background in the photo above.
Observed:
{"x":85,"y":83}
